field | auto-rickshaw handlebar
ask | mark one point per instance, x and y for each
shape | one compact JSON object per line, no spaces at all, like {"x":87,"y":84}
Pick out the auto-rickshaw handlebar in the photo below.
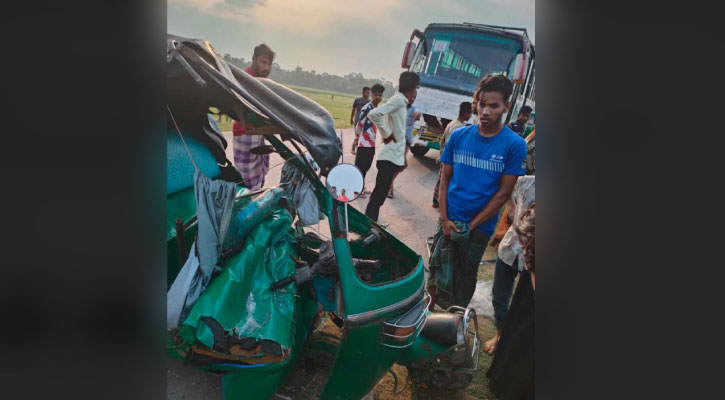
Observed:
{"x":373,"y":237}
{"x":326,"y":264}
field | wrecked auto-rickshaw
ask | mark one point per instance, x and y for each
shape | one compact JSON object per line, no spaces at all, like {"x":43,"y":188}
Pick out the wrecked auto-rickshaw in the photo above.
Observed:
{"x":253,"y":287}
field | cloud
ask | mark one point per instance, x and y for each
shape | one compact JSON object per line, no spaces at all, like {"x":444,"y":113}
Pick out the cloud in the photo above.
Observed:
{"x":228,"y":9}
{"x":313,"y":18}
{"x":321,"y":18}
{"x":241,"y":8}
{"x":334,"y":36}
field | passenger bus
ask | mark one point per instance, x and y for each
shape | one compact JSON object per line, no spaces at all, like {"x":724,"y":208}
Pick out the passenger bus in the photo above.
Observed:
{"x":451,"y":59}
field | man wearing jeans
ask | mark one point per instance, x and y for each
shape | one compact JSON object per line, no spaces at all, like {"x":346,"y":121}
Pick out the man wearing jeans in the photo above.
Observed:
{"x":481,"y":164}
{"x":390,"y":118}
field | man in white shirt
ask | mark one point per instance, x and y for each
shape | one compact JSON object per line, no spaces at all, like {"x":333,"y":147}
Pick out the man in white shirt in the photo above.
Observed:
{"x":390,"y":118}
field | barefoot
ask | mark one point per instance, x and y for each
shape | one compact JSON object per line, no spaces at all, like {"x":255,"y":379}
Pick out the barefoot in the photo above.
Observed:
{"x":490,"y":346}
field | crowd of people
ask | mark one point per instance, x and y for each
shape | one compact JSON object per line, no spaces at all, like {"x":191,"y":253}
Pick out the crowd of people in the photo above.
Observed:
{"x":485,"y":167}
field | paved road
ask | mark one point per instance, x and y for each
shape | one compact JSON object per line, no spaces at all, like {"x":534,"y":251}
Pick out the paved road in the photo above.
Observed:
{"x":409,"y":214}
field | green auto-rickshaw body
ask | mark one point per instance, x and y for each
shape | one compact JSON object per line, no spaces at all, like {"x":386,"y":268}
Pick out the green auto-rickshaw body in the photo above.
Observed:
{"x":381,"y":312}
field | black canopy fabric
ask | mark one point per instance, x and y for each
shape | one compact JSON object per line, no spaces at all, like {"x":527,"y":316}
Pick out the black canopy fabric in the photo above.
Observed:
{"x":511,"y":375}
{"x":198,"y":78}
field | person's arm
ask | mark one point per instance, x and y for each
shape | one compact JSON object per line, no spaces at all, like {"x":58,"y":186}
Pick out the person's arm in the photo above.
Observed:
{"x":254,"y":125}
{"x":265,"y":130}
{"x":446,"y":224}
{"x":352,"y":114}
{"x":409,"y":129}
{"x":446,"y":174}
{"x":376,"y":116}
{"x":498,"y":200}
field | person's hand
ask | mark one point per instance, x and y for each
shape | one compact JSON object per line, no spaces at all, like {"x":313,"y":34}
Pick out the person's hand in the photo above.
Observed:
{"x":351,"y":123}
{"x":389,"y":139}
{"x":417,"y":115}
{"x":448,"y":225}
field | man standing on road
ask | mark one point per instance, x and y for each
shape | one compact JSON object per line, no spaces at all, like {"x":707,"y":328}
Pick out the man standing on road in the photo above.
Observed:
{"x":253,"y":167}
{"x":412,"y":115}
{"x":464,"y":114}
{"x":357,"y":105}
{"x":390,"y":119}
{"x":481,"y":164}
{"x":366,"y":131}
{"x":519,"y":126}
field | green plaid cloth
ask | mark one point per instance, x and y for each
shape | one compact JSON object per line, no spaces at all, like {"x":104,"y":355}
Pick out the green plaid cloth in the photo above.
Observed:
{"x":454,"y":264}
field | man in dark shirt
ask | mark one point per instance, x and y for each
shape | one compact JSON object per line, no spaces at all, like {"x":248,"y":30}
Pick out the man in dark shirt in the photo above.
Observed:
{"x":519,"y":125}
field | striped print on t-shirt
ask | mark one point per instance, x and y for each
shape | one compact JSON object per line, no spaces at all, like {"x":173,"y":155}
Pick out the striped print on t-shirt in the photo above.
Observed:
{"x":365,"y":129}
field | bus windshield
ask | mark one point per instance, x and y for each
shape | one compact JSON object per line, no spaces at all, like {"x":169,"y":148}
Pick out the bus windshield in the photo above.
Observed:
{"x":456,"y":60}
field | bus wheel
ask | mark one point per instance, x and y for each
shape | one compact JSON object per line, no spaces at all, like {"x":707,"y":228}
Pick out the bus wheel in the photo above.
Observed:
{"x":419,"y":151}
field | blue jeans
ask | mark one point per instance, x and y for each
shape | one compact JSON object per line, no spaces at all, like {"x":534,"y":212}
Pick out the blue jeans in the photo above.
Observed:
{"x":503,"y":286}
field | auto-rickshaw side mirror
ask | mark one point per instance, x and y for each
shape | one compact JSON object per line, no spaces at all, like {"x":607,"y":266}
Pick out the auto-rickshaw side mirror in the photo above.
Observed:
{"x":345,"y":182}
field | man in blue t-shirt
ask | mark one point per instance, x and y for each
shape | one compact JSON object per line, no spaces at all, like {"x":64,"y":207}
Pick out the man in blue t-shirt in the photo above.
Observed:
{"x":481,"y":164}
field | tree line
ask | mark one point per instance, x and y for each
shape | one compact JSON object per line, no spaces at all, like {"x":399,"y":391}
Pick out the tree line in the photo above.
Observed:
{"x":351,"y":83}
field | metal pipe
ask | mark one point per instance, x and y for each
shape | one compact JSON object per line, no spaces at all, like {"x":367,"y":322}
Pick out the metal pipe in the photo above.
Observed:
{"x":526,"y":82}
{"x":513,"y":104}
{"x":187,"y":67}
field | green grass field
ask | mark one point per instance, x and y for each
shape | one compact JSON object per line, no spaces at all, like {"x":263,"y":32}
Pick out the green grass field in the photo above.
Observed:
{"x":337,"y":104}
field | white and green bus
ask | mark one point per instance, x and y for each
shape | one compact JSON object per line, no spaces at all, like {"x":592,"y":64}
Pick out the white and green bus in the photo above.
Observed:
{"x":451,"y":59}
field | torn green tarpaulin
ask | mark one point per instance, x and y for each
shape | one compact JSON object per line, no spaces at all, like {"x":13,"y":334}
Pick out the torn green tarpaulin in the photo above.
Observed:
{"x":240,"y":298}
{"x":248,"y":216}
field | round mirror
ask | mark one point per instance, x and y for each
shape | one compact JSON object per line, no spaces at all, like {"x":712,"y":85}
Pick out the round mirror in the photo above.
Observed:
{"x":345,"y":182}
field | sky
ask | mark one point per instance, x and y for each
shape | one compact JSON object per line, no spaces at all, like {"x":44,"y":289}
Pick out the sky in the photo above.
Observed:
{"x":334,"y":36}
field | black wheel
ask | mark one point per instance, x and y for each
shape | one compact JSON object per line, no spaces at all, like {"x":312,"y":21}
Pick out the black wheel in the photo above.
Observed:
{"x":419,"y":151}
